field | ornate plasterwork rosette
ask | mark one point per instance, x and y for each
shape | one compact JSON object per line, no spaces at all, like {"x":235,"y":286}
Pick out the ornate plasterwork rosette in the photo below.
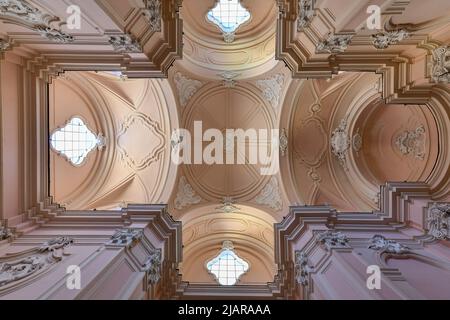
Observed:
{"x":340,"y":143}
{"x":152,"y":140}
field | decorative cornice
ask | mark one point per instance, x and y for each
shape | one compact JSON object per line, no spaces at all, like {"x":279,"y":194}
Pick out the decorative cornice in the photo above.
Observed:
{"x":333,"y":240}
{"x":33,"y":18}
{"x":438,"y":221}
{"x":127,"y":237}
{"x":56,"y":243}
{"x":441,"y":65}
{"x":54,"y":35}
{"x":305,"y":13}
{"x":340,"y":143}
{"x":125,"y":44}
{"x":152,"y":14}
{"x":152,"y":267}
{"x":380,"y":243}
{"x":37,"y":261}
{"x":270,"y":196}
{"x":186,"y":195}
{"x":272,"y":89}
{"x":25,"y":12}
{"x":334,"y":43}
{"x":384,"y":39}
{"x":186,"y":88}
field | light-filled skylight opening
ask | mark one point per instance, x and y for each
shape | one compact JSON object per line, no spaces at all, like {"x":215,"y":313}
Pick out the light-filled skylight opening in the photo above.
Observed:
{"x":228,"y":15}
{"x":227,"y":267}
{"x":74,"y":141}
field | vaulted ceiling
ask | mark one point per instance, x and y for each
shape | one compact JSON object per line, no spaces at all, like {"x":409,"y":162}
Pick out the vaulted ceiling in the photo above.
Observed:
{"x":356,"y":107}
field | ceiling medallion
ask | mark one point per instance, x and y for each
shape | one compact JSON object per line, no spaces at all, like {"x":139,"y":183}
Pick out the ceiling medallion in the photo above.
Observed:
{"x":139,"y":125}
{"x":228,"y":15}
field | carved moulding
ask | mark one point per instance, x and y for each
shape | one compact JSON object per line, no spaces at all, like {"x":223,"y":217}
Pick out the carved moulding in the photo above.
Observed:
{"x":127,"y":237}
{"x":333,"y":240}
{"x":334,"y":43}
{"x":438,"y":221}
{"x":125,"y":44}
{"x":270,"y":196}
{"x":380,"y":243}
{"x":384,"y":39}
{"x":186,"y":195}
{"x":33,"y":262}
{"x":152,"y":13}
{"x":305,"y":13}
{"x":440,"y":72}
{"x":31,"y":17}
{"x":186,"y":88}
{"x":152,"y":267}
{"x":301,"y":268}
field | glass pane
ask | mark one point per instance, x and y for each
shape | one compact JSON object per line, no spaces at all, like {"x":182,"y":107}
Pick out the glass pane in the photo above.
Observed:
{"x":227,"y":267}
{"x":74,"y":141}
{"x":228,"y":15}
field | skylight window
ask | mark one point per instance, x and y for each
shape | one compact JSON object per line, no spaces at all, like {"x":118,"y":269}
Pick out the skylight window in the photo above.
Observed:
{"x":228,"y":15}
{"x":227,"y":267}
{"x":75,"y":141}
